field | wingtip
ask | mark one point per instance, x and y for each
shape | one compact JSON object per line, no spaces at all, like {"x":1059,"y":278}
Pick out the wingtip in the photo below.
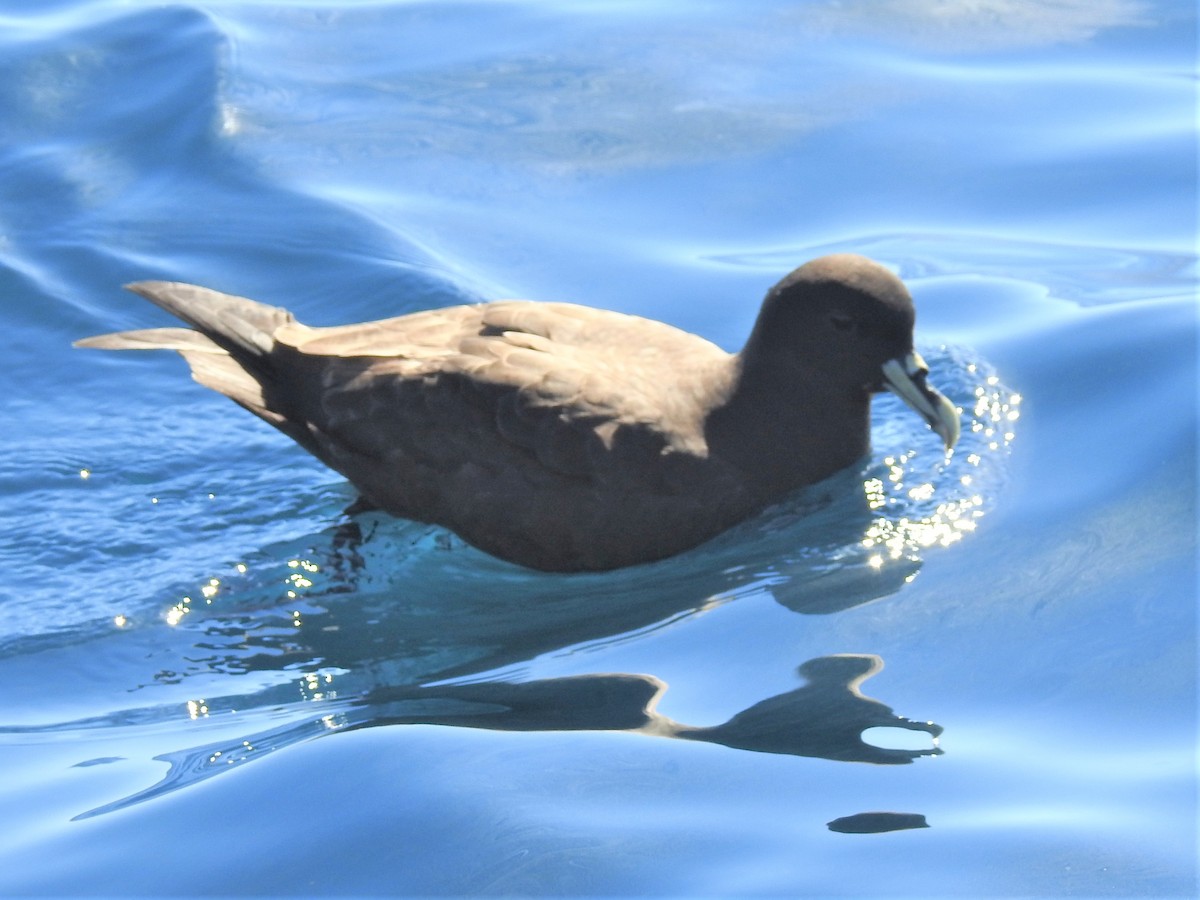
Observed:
{"x":144,"y":288}
{"x":95,"y":342}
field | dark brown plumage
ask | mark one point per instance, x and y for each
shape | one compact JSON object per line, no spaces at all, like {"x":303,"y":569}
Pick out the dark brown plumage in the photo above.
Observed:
{"x":562,"y":437}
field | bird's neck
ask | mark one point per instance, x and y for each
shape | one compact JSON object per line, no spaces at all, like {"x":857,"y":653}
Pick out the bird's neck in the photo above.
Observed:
{"x":786,"y":429}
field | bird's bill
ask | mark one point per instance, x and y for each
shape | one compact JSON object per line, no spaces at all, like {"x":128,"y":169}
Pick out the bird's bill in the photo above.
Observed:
{"x":906,"y":379}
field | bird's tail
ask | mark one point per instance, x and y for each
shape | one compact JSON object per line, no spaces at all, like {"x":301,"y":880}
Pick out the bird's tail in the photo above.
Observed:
{"x":229,"y":350}
{"x":243,"y":328}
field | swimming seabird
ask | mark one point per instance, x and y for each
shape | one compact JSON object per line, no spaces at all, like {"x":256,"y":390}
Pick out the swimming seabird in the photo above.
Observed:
{"x":562,"y":437}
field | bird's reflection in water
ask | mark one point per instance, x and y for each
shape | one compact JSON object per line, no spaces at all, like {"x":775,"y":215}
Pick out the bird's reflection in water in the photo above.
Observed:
{"x":824,"y":718}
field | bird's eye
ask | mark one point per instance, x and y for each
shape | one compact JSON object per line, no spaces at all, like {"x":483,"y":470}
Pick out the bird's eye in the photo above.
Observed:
{"x":841,"y":321}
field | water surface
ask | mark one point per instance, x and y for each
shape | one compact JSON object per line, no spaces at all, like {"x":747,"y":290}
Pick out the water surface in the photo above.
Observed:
{"x":216,"y":683}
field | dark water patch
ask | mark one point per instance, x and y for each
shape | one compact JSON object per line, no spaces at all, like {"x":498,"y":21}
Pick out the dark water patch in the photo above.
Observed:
{"x":877,"y":822}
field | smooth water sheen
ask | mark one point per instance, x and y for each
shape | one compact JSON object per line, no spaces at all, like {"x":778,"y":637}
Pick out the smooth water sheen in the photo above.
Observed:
{"x":963,"y":676}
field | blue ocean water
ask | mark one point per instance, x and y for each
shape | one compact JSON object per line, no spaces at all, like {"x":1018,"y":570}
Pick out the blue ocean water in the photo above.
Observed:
{"x":218,"y":684}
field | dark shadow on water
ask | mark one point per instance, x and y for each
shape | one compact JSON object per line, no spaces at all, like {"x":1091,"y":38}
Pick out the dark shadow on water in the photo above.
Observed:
{"x":824,"y":718}
{"x":877,"y":823}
